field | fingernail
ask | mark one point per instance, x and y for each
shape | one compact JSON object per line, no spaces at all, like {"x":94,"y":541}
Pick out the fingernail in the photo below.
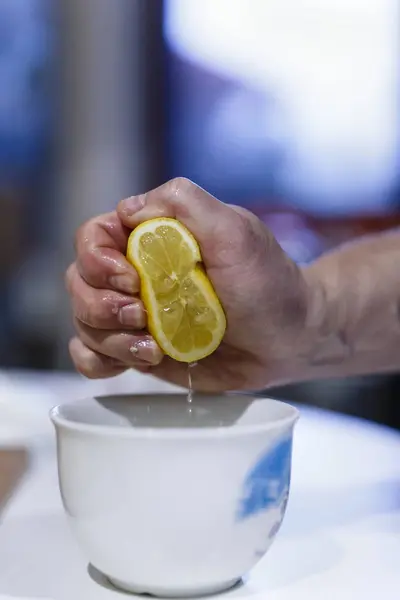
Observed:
{"x":146,"y":350}
{"x":132,"y":315}
{"x":124,"y":283}
{"x":132,"y":205}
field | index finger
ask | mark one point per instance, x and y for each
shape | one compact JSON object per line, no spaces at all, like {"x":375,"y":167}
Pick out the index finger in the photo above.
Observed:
{"x":100,"y":246}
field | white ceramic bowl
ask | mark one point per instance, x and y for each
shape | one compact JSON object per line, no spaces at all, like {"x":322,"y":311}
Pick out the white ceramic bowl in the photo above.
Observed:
{"x":171,"y":498}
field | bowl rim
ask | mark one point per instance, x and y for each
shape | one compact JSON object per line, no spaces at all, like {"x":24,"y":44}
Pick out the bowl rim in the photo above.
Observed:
{"x":171,"y":433}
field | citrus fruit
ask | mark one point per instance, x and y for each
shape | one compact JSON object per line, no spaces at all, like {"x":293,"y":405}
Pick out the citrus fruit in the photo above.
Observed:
{"x":184,"y":314}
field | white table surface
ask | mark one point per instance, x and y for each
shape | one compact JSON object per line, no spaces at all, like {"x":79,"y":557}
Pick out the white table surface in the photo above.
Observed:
{"x":340,"y":539}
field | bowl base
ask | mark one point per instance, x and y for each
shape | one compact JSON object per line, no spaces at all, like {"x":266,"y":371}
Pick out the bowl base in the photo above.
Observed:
{"x":174,"y":592}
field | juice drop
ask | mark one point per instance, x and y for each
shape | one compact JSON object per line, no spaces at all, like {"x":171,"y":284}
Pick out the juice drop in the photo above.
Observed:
{"x":190,"y":385}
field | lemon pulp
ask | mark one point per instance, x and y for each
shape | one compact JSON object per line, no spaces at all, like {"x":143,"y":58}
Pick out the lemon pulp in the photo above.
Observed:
{"x":184,"y":314}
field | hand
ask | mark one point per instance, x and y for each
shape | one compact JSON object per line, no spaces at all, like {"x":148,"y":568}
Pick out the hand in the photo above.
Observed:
{"x":264,"y":294}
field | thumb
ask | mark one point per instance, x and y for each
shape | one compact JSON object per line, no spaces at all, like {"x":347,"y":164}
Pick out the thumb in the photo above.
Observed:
{"x":212,"y":222}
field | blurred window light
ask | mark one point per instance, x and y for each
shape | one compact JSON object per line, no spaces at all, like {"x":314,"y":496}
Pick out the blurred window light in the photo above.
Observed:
{"x":327,"y":71}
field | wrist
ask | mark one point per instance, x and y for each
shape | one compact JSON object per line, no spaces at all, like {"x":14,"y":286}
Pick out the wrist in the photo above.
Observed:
{"x":317,"y":345}
{"x":324,"y":345}
{"x":318,"y":322}
{"x":289,"y":353}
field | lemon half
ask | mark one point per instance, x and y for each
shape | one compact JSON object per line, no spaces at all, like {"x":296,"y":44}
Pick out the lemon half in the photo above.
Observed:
{"x":184,"y":313}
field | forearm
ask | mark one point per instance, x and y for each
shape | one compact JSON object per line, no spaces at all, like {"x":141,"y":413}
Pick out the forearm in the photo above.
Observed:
{"x":353,"y":320}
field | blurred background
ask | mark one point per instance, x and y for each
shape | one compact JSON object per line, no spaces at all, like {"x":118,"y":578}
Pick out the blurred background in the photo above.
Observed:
{"x":288,"y":107}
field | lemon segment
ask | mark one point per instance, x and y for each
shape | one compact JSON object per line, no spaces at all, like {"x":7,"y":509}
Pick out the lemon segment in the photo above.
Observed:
{"x":184,"y":314}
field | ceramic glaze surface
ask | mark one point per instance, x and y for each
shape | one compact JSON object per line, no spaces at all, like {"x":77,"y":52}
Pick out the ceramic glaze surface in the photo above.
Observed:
{"x":267,"y":484}
{"x":175,"y":499}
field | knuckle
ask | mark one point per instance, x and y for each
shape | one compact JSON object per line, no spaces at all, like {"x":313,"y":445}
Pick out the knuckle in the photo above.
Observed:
{"x":88,"y":264}
{"x":85,"y":360}
{"x":181,"y":185}
{"x":85,"y":233}
{"x":94,"y":313}
{"x":252,"y":238}
{"x":88,"y":369}
{"x":78,"y":325}
{"x":79,"y":235}
{"x":245,"y":229}
{"x":97,"y":311}
{"x":69,"y":277}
